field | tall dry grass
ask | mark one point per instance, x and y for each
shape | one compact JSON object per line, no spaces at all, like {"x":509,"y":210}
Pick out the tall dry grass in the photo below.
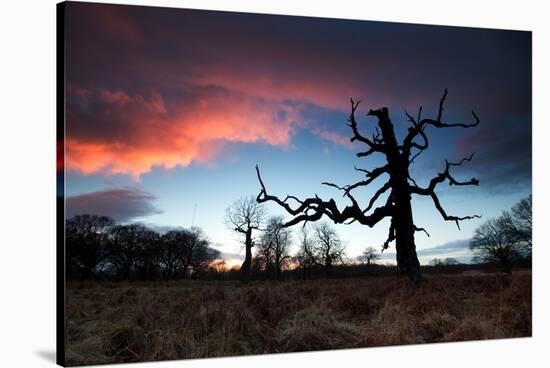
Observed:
{"x":111,"y":323}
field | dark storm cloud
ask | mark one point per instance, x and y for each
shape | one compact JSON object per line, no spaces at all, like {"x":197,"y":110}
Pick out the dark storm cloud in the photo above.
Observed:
{"x":122,"y":204}
{"x":503,"y":153}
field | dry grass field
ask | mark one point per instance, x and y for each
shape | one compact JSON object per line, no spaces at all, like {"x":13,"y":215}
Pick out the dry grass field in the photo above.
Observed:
{"x":110,"y":323}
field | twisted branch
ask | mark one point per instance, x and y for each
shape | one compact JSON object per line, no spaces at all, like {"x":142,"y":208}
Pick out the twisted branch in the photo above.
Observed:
{"x":375,"y":145}
{"x":440,"y":178}
{"x":312,"y":209}
{"x":419,"y":125}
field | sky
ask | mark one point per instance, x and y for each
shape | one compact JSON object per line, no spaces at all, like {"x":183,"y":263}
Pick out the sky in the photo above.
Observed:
{"x":169,"y":110}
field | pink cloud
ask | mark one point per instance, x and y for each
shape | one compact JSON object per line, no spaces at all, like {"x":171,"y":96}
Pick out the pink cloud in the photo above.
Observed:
{"x":325,"y":92}
{"x":334,"y":137}
{"x":114,"y":97}
{"x":145,"y":134}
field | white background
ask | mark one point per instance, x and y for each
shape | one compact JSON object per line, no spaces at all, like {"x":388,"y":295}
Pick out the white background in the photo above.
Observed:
{"x":27,"y":181}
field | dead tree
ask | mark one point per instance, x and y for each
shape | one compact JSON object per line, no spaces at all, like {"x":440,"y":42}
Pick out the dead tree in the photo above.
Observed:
{"x":243,"y":216}
{"x":400,"y":184}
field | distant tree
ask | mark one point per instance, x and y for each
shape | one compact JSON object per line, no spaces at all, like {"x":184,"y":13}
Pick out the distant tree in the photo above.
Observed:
{"x":306,"y":257}
{"x":185,"y":252}
{"x":449,"y":261}
{"x":128,"y":246}
{"x":85,"y":237}
{"x":275,"y":245}
{"x":148,"y":257}
{"x":173,"y":247}
{"x":398,"y":157}
{"x":194,"y":241}
{"x":518,"y":224}
{"x":263,"y":260}
{"x":369,"y":255}
{"x":199,"y":253}
{"x":492,"y":244}
{"x":328,"y":246}
{"x":244,"y":216}
{"x":259,"y":264}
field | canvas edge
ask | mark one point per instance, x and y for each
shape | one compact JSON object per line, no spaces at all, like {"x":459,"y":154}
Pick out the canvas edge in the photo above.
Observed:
{"x":60,"y":185}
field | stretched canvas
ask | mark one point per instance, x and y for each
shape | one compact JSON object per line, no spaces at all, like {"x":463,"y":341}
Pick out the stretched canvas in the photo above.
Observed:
{"x":234,"y":184}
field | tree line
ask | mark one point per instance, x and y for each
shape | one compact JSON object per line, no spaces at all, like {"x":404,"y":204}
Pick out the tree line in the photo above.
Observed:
{"x":97,"y":248}
{"x":319,"y":245}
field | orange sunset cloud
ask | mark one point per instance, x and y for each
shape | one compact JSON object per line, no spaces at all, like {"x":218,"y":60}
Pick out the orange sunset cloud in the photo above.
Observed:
{"x":153,"y":136}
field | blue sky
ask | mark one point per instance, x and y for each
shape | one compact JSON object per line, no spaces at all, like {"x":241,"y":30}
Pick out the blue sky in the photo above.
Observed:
{"x":168,"y":109}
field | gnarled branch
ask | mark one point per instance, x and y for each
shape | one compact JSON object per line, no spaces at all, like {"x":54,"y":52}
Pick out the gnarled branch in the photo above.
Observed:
{"x":371,"y":176}
{"x":440,"y":178}
{"x":416,"y":228}
{"x":312,"y":209}
{"x":445,"y":175}
{"x":375,"y":144}
{"x":419,"y":126}
{"x":376,"y":195}
{"x":446,"y":217}
{"x":439,"y":124}
{"x":391,"y":236}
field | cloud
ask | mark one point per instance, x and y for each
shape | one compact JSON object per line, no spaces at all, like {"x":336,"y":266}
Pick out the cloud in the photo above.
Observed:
{"x":334,"y":137}
{"x":503,"y":159}
{"x":150,"y":87}
{"x":445,"y":249}
{"x":121,"y":133}
{"x":116,"y":25}
{"x":458,"y":249}
{"x":328,"y":92}
{"x":161,"y":229}
{"x":169,"y":98}
{"x":122,"y":205}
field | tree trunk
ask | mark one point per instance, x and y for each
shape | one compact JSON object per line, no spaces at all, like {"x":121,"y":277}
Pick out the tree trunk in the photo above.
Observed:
{"x":407,"y":259}
{"x":245,"y":268}
{"x":402,"y":220}
{"x":506,"y":266}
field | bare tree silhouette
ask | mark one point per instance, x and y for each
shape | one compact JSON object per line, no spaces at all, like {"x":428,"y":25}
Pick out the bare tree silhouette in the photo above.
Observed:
{"x":85,"y":238}
{"x":306,"y":257}
{"x":370,"y":255}
{"x":328,"y":246}
{"x":519,"y":221}
{"x":274,"y":246}
{"x":399,"y":157}
{"x":243,"y":216}
{"x":491,"y":244}
{"x":507,"y":239}
{"x":449,"y":261}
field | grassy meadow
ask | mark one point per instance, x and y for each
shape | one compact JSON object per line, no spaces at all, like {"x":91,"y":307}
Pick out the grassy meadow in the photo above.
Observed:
{"x":130,"y":322}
